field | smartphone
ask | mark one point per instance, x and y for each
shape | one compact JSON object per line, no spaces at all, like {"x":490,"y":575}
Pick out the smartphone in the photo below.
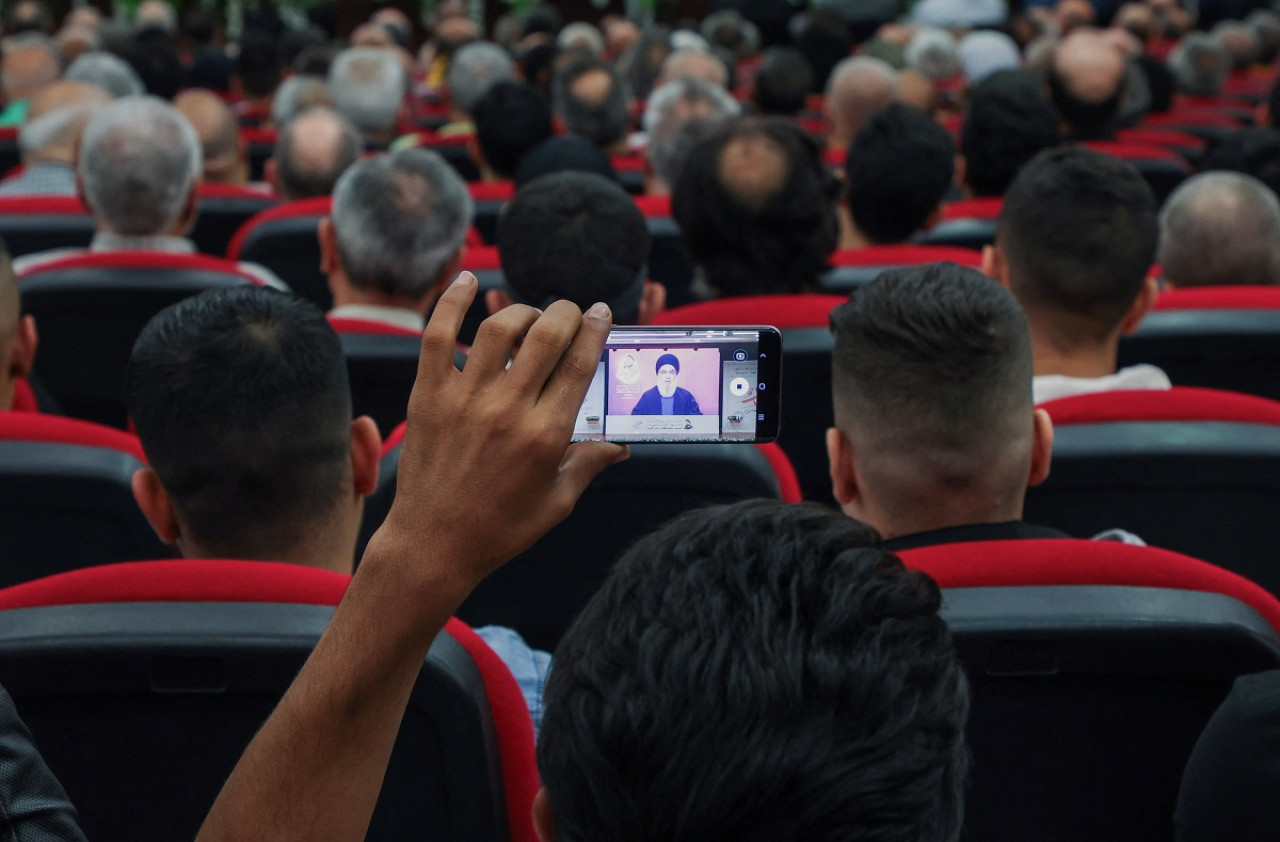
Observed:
{"x":685,"y":384}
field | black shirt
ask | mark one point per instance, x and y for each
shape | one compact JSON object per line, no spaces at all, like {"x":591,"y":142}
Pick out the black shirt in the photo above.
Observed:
{"x":1011,"y":530}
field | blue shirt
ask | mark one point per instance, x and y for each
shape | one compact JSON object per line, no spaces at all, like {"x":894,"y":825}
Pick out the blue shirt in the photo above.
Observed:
{"x":529,"y":666}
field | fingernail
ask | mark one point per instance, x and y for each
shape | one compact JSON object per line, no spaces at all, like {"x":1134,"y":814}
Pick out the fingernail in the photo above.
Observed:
{"x":599,"y":310}
{"x":464,"y":279}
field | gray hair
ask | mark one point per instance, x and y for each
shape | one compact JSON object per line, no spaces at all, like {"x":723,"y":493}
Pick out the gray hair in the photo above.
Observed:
{"x":1239,"y":40}
{"x":367,"y":85}
{"x":677,"y":116}
{"x":1220,"y":228}
{"x":1266,"y":28}
{"x":109,"y":72}
{"x":310,"y":172}
{"x":58,"y":127}
{"x":399,"y":219}
{"x":932,"y":52}
{"x":1199,"y":65}
{"x":139,"y":161}
{"x":295,"y":95}
{"x":474,"y":70}
{"x":581,"y":35}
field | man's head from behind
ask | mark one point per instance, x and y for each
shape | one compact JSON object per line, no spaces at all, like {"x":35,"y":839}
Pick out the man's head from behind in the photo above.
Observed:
{"x":755,"y":206}
{"x":590,"y":98}
{"x":396,"y":231}
{"x":1087,"y":82}
{"x":241,"y":401}
{"x":474,"y":69}
{"x":1220,"y":229}
{"x":511,"y":119}
{"x":935,"y":427}
{"x":367,"y":85}
{"x":140,"y":162}
{"x":17,"y":333}
{"x":1009,"y":122}
{"x":899,"y":168}
{"x":783,"y":82}
{"x":312,"y":152}
{"x":226,"y":159}
{"x":858,"y":88}
{"x":756,"y":672}
{"x":577,"y":236}
{"x":1075,"y":241}
{"x":677,"y":115}
{"x":55,"y":120}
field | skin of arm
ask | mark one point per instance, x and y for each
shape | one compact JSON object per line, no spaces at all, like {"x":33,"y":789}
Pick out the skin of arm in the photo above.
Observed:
{"x":485,"y":470}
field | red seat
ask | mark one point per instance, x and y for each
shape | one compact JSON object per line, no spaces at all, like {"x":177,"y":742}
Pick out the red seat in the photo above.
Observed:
{"x":31,"y":224}
{"x":1093,"y":667}
{"x":1190,"y":147}
{"x":260,"y":144}
{"x":223,"y":209}
{"x":454,"y":149}
{"x":854,"y":267}
{"x":985,"y":207}
{"x":1181,"y":403}
{"x":1220,"y":298}
{"x":967,"y":224}
{"x":489,"y":197}
{"x":1161,"y":167}
{"x":135,"y":653}
{"x":24,"y":397}
{"x":284,"y":240}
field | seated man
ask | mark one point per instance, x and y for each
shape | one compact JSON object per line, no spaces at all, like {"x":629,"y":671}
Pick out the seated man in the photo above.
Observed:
{"x":1087,"y":82}
{"x":1008,"y":123}
{"x":224,"y":153}
{"x":56,"y":118}
{"x":590,"y":98}
{"x":666,"y":398}
{"x":139,"y":171}
{"x":677,"y":115}
{"x":936,"y":438}
{"x":577,"y":236}
{"x":367,"y":85}
{"x":511,"y":120}
{"x":395,"y":237}
{"x":1220,"y":229}
{"x":312,"y":151}
{"x":17,"y":334}
{"x":898,"y":171}
{"x":859,"y":682}
{"x":473,"y":71}
{"x":1075,"y":242}
{"x":857,"y":88}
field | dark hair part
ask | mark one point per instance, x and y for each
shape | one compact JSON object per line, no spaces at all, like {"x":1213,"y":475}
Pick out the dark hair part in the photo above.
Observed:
{"x":1008,"y":123}
{"x":757,"y":672}
{"x":241,"y":401}
{"x":510,"y":119}
{"x":768,"y":239}
{"x":899,"y":168}
{"x":937,"y":347}
{"x":783,"y":82}
{"x":258,"y":64}
{"x":604,"y":122}
{"x":1079,"y":231}
{"x":1087,"y":120}
{"x":574,"y":235}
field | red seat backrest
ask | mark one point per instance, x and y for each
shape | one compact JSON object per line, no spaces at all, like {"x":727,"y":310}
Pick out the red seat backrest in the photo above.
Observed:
{"x":906,"y":255}
{"x":1137,"y":152}
{"x":491,"y":191}
{"x":232,"y":191}
{"x":987,"y":207}
{"x":1157,"y":137}
{"x":780,"y":311}
{"x":481,"y":258}
{"x":654,"y":206}
{"x":346,"y":325}
{"x":317,"y":207}
{"x":1220,"y":298}
{"x":54,"y":429}
{"x":142,"y":260}
{"x":1181,"y":403}
{"x":24,"y":398}
{"x":42,"y":206}
{"x":1070,"y":561}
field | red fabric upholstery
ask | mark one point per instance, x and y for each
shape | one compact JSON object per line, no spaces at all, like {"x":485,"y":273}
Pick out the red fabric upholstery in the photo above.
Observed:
{"x":654,"y":206}
{"x":482,"y":259}
{"x":304,"y":207}
{"x":1137,"y":152}
{"x":54,"y":429}
{"x":988,"y":207}
{"x":24,"y":399}
{"x":1156,"y":137}
{"x":1182,"y":403}
{"x":985,"y":564}
{"x":491,"y":191}
{"x":232,"y":191}
{"x":1220,"y":298}
{"x":144,"y":260}
{"x":788,"y":482}
{"x":43,"y":206}
{"x":343,"y":325}
{"x":906,"y":255}
{"x":429,"y":139}
{"x":780,"y":311}
{"x":473,"y":239}
{"x":834,"y":158}
{"x":393,"y":439}
{"x":253,"y":134}
{"x":627,"y":163}
{"x":1191,"y":118}
{"x":513,"y":728}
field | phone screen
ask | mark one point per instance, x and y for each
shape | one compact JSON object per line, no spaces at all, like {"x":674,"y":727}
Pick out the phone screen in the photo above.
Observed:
{"x":685,"y":384}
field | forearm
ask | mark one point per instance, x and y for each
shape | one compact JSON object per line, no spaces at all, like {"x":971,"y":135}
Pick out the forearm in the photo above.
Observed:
{"x":315,"y":769}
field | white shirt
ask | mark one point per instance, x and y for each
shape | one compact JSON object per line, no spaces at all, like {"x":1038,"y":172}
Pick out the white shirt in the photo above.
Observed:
{"x":1047,"y":387}
{"x":395,"y":316}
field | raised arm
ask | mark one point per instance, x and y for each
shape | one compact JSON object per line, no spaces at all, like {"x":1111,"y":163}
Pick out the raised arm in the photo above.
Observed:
{"x":485,"y":470}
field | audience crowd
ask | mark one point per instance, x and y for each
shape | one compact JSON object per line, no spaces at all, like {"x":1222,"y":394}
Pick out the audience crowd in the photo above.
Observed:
{"x":758,"y":670}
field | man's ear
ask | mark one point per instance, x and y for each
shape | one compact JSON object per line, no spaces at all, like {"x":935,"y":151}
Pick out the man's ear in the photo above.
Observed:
{"x":544,"y":822}
{"x":271,"y":174}
{"x":22,"y":351}
{"x":366,"y":453}
{"x":497,"y":299}
{"x":652,"y":302}
{"x":330,"y":259}
{"x":1262,"y":114}
{"x":1041,"y":448}
{"x":476,"y":154}
{"x":934,"y":217}
{"x":994,"y":265}
{"x":844,"y":474}
{"x":156,"y":506}
{"x":1141,"y":305}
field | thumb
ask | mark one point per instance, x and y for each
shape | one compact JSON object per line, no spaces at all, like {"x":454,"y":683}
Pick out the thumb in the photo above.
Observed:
{"x":582,"y":463}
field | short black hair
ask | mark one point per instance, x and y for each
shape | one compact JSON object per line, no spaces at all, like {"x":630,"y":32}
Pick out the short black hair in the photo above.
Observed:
{"x":1254,"y":152}
{"x":258,"y":64}
{"x":939,"y":349}
{"x":783,"y":82}
{"x":603,"y":122}
{"x":1009,"y":122}
{"x":563,"y":153}
{"x":757,"y":672}
{"x":241,"y":402}
{"x":577,"y":236}
{"x":510,"y":119}
{"x":153,"y":55}
{"x":899,"y":168}
{"x":824,"y":40}
{"x":752,"y":237}
{"x":1079,"y":231}
{"x":1087,"y":120}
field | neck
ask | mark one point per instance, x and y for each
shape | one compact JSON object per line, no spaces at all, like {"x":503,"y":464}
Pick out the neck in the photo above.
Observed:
{"x":331,"y":548}
{"x":850,"y":236}
{"x":981,"y":506}
{"x":60,"y":157}
{"x":346,"y":293}
{"x":654,"y":186}
{"x":1072,"y":360}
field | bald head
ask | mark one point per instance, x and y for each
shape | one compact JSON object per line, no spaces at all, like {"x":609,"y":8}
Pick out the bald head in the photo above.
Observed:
{"x":858,"y":87}
{"x":312,"y":151}
{"x":918,"y":91}
{"x":693,"y":64}
{"x":1086,"y":80}
{"x":1220,"y":228}
{"x":56,"y":118}
{"x":219,"y":133}
{"x":27,"y":67}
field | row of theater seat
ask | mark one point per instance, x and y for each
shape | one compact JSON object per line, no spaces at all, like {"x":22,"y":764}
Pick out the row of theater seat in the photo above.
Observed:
{"x":1093,"y":667}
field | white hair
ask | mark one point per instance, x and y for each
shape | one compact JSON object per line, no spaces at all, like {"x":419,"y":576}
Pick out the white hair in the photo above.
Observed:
{"x":581,"y":35}
{"x":109,"y":72}
{"x":139,"y":161}
{"x":367,"y":86}
{"x":295,"y":95}
{"x":57,"y":127}
{"x":399,"y":219}
{"x":985,"y":52}
{"x":475,"y":69}
{"x":687,"y":39}
{"x":1199,"y":64}
{"x":677,"y":116}
{"x":932,"y":52}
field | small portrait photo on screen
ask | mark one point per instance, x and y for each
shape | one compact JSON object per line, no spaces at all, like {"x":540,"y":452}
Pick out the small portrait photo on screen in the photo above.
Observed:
{"x":664,"y":381}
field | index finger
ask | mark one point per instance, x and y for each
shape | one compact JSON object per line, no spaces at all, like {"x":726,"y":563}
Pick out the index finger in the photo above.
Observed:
{"x":569,"y":383}
{"x":440,"y":339}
